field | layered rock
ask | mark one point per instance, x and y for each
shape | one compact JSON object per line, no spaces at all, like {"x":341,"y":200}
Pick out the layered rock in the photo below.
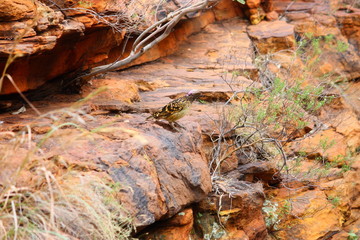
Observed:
{"x":161,"y":174}
{"x":86,"y":39}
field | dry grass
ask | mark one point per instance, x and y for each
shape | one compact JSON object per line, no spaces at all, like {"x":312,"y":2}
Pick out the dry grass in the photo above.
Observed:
{"x":40,"y":201}
{"x":83,"y":207}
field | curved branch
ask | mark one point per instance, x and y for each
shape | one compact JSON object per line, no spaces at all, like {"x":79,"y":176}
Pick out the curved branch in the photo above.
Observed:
{"x":137,"y":50}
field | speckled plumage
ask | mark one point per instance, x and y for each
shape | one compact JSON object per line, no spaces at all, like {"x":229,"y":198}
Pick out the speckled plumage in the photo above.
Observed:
{"x":175,"y":109}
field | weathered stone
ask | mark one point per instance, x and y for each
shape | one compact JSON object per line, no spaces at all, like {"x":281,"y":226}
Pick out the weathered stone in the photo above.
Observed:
{"x":113,"y":88}
{"x":11,"y":10}
{"x":272,"y":36}
{"x":272,"y":16}
{"x":349,"y":24}
{"x":11,"y":30}
{"x":260,"y":171}
{"x":327,"y":144}
{"x":176,"y":228}
{"x":239,"y":208}
{"x":160,"y":183}
{"x":314,"y":217}
{"x":317,"y":25}
{"x":47,"y":17}
{"x":155,"y":183}
{"x":100,"y":46}
{"x":290,"y":6}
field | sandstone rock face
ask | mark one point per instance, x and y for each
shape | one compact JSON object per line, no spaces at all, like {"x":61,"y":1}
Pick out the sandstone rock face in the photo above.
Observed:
{"x":177,"y":228}
{"x":240,"y":214}
{"x":62,"y":44}
{"x":182,"y":176}
{"x":162,"y":175}
{"x":154,"y":183}
{"x":15,"y":10}
{"x":315,"y":216}
{"x":349,"y":23}
{"x":272,"y":36}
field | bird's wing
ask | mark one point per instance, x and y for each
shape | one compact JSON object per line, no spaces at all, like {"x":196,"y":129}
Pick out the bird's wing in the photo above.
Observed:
{"x":175,"y":106}
{"x":172,"y":107}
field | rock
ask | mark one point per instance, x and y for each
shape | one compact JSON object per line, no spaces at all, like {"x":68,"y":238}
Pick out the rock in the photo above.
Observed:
{"x":159,"y":183}
{"x":328,"y":145}
{"x":101,"y":45}
{"x":112,"y":88}
{"x":344,"y":192}
{"x":336,"y":58}
{"x":239,"y":209}
{"x":226,"y":9}
{"x":351,"y":90}
{"x":272,"y":36}
{"x":313,"y":217}
{"x":27,"y":46}
{"x":160,"y":172}
{"x":289,"y":6}
{"x":349,"y":24}
{"x":47,"y":18}
{"x":272,"y":16}
{"x":341,"y":116}
{"x":260,"y":171}
{"x":253,"y":3}
{"x":15,"y":10}
{"x":73,"y":26}
{"x":317,"y":24}
{"x":176,"y":228}
{"x":11,"y":30}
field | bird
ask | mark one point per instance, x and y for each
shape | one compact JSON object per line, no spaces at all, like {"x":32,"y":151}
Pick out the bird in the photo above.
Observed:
{"x":176,"y":109}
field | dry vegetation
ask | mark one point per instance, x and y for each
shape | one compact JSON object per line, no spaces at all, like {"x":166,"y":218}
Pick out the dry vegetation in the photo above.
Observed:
{"x":55,"y":201}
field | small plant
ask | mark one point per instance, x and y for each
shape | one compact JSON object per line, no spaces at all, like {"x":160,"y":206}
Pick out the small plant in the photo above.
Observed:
{"x":334,"y":200}
{"x":342,"y":46}
{"x":272,"y":218}
{"x":241,"y":1}
{"x":352,"y":236}
{"x":85,"y":4}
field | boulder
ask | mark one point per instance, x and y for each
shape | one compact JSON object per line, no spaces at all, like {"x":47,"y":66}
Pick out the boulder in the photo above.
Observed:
{"x":234,"y":209}
{"x":176,"y":228}
{"x":349,"y":24}
{"x":270,"y":37}
{"x":11,"y":10}
{"x":311,"y":216}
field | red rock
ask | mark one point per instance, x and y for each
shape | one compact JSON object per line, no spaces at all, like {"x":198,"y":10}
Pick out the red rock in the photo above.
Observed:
{"x":69,"y":49}
{"x":349,"y":24}
{"x":317,"y":24}
{"x":160,"y":183}
{"x":260,"y":171}
{"x":11,"y":10}
{"x":290,"y":6}
{"x":176,"y":228}
{"x":272,"y":36}
{"x":114,"y":89}
{"x":11,"y":30}
{"x":272,"y":16}
{"x":314,"y":217}
{"x":241,"y":210}
{"x":253,"y":3}
{"x":328,"y":144}
{"x":47,"y":17}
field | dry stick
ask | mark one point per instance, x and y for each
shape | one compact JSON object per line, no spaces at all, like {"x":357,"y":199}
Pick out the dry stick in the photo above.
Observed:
{"x":240,"y":147}
{"x":52,"y":204}
{"x":22,"y":95}
{"x":15,"y":220}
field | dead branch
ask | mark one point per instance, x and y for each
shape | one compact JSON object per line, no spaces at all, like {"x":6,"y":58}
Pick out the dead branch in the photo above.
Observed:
{"x":146,"y":39}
